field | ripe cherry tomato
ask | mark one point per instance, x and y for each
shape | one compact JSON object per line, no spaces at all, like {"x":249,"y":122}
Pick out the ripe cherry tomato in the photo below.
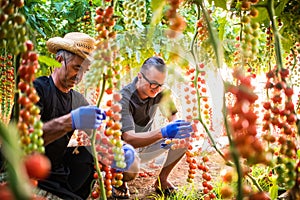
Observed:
{"x":95,"y":195}
{"x":37,"y":166}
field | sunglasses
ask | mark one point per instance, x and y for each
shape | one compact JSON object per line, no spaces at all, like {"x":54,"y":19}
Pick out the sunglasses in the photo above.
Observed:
{"x":153,"y":85}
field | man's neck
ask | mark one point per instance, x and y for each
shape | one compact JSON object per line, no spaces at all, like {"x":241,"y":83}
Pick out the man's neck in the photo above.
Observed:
{"x":58,"y":84}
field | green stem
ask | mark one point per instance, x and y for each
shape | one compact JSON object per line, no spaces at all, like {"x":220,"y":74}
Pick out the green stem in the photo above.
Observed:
{"x":100,"y":178}
{"x":271,"y":12}
{"x":234,"y":154}
{"x":17,"y":94}
{"x":213,"y":37}
{"x":198,"y":4}
{"x":93,"y":142}
{"x":102,"y":90}
{"x":195,"y":35}
{"x":17,"y":179}
{"x":255,"y":182}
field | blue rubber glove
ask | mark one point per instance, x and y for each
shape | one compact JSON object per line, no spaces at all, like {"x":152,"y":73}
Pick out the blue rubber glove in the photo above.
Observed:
{"x":87,"y":117}
{"x":178,"y":129}
{"x":129,"y":154}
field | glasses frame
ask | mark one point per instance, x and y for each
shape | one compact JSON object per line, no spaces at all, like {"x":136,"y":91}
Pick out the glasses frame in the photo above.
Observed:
{"x":156,"y":85}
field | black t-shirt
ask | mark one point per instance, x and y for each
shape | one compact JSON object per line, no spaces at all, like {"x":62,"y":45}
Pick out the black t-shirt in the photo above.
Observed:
{"x":53,"y":104}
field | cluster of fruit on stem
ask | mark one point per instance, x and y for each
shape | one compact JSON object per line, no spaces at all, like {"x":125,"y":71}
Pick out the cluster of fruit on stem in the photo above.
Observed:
{"x":250,"y":30}
{"x":105,"y":21}
{"x":29,"y":124}
{"x":134,"y":10}
{"x":176,"y":22}
{"x":203,"y":167}
{"x":244,"y":120}
{"x":7,"y":84}
{"x":13,"y":27}
{"x":279,"y":125}
{"x":202,"y":30}
{"x":247,"y":149}
{"x":291,"y":62}
{"x":106,"y":60}
{"x":85,"y":23}
{"x":109,"y":145}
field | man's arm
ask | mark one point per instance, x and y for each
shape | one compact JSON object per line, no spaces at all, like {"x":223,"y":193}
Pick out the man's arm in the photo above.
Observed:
{"x":57,"y":128}
{"x":141,"y":139}
{"x":85,"y":117}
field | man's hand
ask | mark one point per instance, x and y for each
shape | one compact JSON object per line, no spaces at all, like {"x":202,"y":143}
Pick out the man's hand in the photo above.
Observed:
{"x":87,"y":117}
{"x":129,"y":154}
{"x":178,"y":129}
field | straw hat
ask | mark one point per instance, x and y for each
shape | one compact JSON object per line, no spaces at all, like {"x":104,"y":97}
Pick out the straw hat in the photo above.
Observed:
{"x":78,"y":43}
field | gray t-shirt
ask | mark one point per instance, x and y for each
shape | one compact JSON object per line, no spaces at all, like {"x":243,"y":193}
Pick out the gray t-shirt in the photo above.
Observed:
{"x":138,"y":114}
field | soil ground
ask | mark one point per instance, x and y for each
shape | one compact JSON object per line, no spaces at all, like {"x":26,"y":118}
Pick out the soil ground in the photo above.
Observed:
{"x":142,"y":187}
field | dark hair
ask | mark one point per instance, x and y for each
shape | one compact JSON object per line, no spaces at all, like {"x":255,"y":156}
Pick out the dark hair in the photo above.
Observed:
{"x":156,"y":62}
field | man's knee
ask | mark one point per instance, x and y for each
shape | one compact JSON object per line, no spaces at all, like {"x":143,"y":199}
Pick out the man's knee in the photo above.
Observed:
{"x":133,"y":170}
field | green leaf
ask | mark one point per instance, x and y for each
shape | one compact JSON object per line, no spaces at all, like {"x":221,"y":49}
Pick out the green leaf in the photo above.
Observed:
{"x":298,"y":153}
{"x":157,"y":11}
{"x":221,"y":4}
{"x":49,"y":61}
{"x":273,"y":192}
{"x":221,"y":28}
{"x":280,"y":6}
{"x":59,"y":6}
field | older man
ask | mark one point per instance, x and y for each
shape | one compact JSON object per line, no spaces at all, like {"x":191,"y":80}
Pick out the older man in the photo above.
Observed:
{"x":63,"y":110}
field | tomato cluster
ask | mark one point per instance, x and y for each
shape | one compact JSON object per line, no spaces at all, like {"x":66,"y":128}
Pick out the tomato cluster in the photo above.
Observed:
{"x":134,"y":10}
{"x":108,"y":146}
{"x":12,"y":27}
{"x":201,"y":165}
{"x":106,"y":61}
{"x":84,"y":23}
{"x":280,"y":125}
{"x":111,"y":178}
{"x":250,"y":29}
{"x":113,"y":129}
{"x":202,"y":30}
{"x":176,"y":22}
{"x":105,"y":21}
{"x":29,"y":124}
{"x":243,"y":120}
{"x":7,"y":83}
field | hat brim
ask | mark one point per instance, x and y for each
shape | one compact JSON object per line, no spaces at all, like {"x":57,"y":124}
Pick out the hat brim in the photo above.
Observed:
{"x":57,"y":43}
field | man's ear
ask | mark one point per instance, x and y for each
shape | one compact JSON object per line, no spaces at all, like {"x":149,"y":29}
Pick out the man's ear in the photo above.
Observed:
{"x":139,"y":75}
{"x":59,"y":58}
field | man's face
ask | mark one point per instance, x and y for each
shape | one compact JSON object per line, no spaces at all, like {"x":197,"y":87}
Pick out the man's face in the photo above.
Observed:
{"x":151,"y":82}
{"x":72,"y":71}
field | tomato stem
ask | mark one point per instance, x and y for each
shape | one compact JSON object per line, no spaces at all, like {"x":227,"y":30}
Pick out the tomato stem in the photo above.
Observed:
{"x":18,"y":180}
{"x":271,"y":12}
{"x":16,"y":109}
{"x":93,"y":142}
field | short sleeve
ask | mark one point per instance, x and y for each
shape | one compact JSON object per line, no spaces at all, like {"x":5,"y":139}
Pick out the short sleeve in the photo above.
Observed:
{"x":127,"y":117}
{"x":38,"y":85}
{"x":78,"y":100}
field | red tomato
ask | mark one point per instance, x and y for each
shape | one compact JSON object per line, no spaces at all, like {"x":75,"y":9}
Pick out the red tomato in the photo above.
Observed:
{"x":32,"y":56}
{"x":37,"y":166}
{"x":5,"y":193}
{"x":29,"y":45}
{"x":95,"y":195}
